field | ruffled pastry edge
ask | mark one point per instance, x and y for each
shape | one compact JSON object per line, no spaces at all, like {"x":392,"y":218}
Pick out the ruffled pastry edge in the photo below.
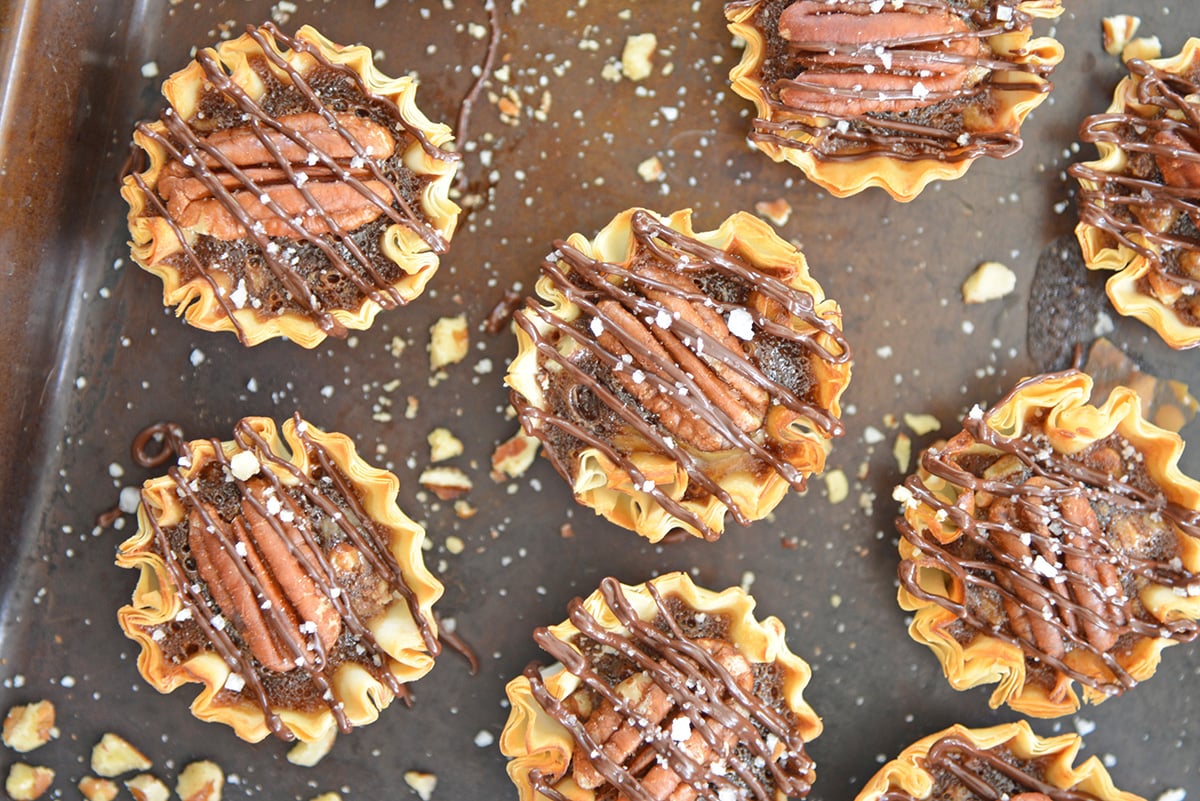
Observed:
{"x":1071,"y":425}
{"x":156,"y":601}
{"x":906,"y":772}
{"x":1099,"y":250}
{"x":535,"y":741}
{"x":901,"y":179}
{"x":598,"y":483}
{"x":153,"y":239}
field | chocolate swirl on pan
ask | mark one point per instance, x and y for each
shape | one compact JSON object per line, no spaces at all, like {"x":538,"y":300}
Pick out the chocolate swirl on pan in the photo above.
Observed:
{"x":1153,"y":206}
{"x":675,"y":709}
{"x":277,"y":613}
{"x":993,"y":774}
{"x":656,"y":356}
{"x":851,"y":79}
{"x":298,"y":186}
{"x":1054,"y":549}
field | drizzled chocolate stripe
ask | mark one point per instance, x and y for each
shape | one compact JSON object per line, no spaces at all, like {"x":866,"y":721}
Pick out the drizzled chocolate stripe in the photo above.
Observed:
{"x":358,"y":529}
{"x":1040,"y":590}
{"x":978,"y":769}
{"x":589,"y":283}
{"x":186,"y":146}
{"x":1112,"y":202}
{"x":854,"y":120}
{"x":700,"y":688}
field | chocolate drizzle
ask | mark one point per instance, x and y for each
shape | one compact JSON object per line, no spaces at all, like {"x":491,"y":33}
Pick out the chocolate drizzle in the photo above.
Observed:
{"x":765,"y":757}
{"x":1153,"y":205}
{"x":993,"y":774}
{"x":159,"y":443}
{"x":669,"y":272}
{"x":336,"y":500}
{"x":917,"y":94}
{"x":1064,"y":546}
{"x":375,"y":179}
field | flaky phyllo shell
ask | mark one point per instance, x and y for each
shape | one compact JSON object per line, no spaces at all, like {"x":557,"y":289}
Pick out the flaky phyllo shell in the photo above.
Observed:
{"x":675,"y":377}
{"x":860,"y":112}
{"x":1009,"y":759}
{"x":1138,"y":202}
{"x":283,"y":578}
{"x":1052,"y":542}
{"x":292,"y":189}
{"x":677,"y":690}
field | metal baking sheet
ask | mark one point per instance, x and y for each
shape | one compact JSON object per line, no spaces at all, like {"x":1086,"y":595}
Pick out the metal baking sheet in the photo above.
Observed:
{"x":92,"y":358}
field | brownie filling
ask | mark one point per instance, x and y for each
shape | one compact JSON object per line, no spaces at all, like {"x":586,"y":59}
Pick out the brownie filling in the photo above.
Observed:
{"x":1055,"y":550}
{"x":670,"y":706}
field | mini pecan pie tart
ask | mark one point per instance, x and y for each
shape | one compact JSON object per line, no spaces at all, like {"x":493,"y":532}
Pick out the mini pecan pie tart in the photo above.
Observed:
{"x":1008,"y":761}
{"x":662,"y":691}
{"x":291,"y":586}
{"x":675,"y":376}
{"x":860,"y":93}
{"x":292,"y":189}
{"x":1139,"y":204}
{"x":1052,"y":542}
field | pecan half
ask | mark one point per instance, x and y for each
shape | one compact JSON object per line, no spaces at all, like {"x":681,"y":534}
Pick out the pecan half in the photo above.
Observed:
{"x":739,"y":399}
{"x":856,"y":58}
{"x":275,"y":552}
{"x":260,"y":153}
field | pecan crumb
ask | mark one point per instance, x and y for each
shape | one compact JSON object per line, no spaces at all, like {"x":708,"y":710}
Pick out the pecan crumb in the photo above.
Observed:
{"x":147,"y":787}
{"x":443,"y":445}
{"x":422,"y":783}
{"x":445,"y":482}
{"x":448,"y":341}
{"x":94,"y":789}
{"x":27,"y":782}
{"x":200,"y":781}
{"x":1119,"y":29}
{"x":115,"y":755}
{"x":778,"y":211}
{"x":29,"y":726}
{"x":636,"y":62}
{"x":990,"y":281}
{"x":514,"y":456}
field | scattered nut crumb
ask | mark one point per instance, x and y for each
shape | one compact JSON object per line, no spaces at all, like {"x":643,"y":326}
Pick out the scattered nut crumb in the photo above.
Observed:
{"x":94,"y":789}
{"x":397,"y":346}
{"x":651,"y":169}
{"x":27,"y":782}
{"x":566,"y":531}
{"x":445,"y":482}
{"x":902,"y":450}
{"x":1119,"y":29}
{"x":837,"y":486}
{"x":514,"y":456}
{"x":114,"y":755}
{"x":922,"y":424}
{"x":412,"y":405}
{"x":990,"y":281}
{"x":455,"y":544}
{"x":449,"y":339}
{"x":423,"y":783}
{"x":147,"y":787}
{"x":835,"y":600}
{"x":443,"y":445}
{"x":29,"y":726}
{"x":327,"y":797}
{"x":464,"y":509}
{"x":309,"y":754}
{"x":636,"y":62}
{"x":200,"y":781}
{"x":778,"y":211}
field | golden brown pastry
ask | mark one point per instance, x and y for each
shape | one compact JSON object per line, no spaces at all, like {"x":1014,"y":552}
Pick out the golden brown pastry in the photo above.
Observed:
{"x":291,"y":189}
{"x":860,"y":93}
{"x":677,"y":377}
{"x":1050,"y":543}
{"x":1138,"y":208}
{"x":1007,"y":761}
{"x":284,"y":579}
{"x":662,"y":691}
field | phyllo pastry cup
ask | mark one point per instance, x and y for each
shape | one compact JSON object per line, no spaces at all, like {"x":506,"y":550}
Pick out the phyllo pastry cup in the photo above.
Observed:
{"x":663,"y":690}
{"x":289,"y":189}
{"x":1139,"y":203}
{"x":283,"y":578}
{"x":675,"y":377}
{"x":1007,"y":761}
{"x":1049,"y":543}
{"x":895,"y":95}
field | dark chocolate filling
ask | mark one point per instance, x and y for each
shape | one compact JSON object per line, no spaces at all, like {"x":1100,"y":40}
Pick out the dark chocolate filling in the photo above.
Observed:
{"x":332,"y":511}
{"x":700,"y":687}
{"x":1138,"y":208}
{"x":587,"y":407}
{"x":303,"y":272}
{"x":949,"y":127}
{"x":962,"y":771}
{"x":1055,"y":584}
